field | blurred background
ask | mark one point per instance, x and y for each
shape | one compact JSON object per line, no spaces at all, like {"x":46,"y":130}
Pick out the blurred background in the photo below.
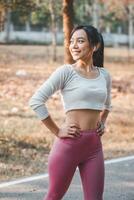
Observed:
{"x":34,"y":36}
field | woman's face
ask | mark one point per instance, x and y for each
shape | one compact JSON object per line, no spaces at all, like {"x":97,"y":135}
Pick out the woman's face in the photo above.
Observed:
{"x":79,"y":47}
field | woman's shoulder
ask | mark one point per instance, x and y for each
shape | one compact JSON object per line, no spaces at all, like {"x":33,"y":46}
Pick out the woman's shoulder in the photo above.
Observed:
{"x":62,"y":72}
{"x":63,"y":68}
{"x":105,"y":71}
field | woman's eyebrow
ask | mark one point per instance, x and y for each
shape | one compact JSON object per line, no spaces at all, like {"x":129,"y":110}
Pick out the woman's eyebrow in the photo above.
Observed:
{"x":79,"y":38}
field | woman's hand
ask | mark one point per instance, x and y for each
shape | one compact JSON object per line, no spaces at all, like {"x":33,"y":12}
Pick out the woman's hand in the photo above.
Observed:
{"x":69,"y":131}
{"x":100,"y":128}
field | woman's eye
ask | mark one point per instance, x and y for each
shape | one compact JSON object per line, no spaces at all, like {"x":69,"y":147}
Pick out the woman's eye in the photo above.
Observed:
{"x":81,"y":41}
{"x":78,"y":41}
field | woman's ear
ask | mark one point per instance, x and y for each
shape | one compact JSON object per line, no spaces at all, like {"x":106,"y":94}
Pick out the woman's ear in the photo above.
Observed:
{"x":94,"y":49}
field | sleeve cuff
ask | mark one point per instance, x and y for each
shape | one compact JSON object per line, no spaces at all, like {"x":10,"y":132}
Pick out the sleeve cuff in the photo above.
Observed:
{"x":109,"y":108}
{"x":41,"y":112}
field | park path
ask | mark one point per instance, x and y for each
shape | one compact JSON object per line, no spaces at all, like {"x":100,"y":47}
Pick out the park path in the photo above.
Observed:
{"x":119,"y":184}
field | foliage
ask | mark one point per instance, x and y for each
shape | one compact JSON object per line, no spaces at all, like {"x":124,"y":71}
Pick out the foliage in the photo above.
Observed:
{"x":112,"y":13}
{"x":83,"y":12}
{"x":21,"y":5}
{"x":36,"y":12}
{"x":19,"y":9}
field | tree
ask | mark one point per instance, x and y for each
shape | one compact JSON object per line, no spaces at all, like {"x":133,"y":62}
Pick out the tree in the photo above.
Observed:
{"x":8,"y":6}
{"x":68,"y":16}
{"x":49,"y":6}
{"x":83,"y":12}
{"x":122,"y":10}
{"x":95,"y":13}
{"x":53,"y":26}
{"x":130,"y":11}
{"x":2,"y":17}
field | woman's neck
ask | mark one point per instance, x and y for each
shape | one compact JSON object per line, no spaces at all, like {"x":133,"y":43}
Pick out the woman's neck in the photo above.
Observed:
{"x":87,"y":66}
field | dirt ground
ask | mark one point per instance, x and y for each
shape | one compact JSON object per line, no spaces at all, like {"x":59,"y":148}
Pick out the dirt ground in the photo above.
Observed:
{"x":25,"y":142}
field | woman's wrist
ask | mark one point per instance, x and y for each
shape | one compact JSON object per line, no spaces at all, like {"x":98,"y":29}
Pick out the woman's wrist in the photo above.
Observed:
{"x":102,"y":123}
{"x":51,"y":125}
{"x":57,"y":132}
{"x":101,"y":127}
{"x":103,"y":116}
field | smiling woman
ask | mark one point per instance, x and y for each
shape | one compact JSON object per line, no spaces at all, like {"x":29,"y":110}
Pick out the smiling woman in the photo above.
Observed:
{"x":79,"y":45}
{"x":85,"y":88}
{"x":86,"y":37}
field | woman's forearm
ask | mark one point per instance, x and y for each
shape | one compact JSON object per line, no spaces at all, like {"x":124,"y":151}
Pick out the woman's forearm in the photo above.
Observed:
{"x":104,"y":115}
{"x":51,"y":125}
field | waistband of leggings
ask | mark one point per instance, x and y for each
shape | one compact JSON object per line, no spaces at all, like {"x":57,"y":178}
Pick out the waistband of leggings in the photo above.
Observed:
{"x":89,"y":130}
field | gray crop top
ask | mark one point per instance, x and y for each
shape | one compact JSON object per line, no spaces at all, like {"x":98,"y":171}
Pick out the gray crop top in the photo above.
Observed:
{"x":77,"y":91}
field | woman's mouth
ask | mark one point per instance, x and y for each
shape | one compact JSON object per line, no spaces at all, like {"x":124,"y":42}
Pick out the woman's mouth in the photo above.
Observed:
{"x":75,"y":52}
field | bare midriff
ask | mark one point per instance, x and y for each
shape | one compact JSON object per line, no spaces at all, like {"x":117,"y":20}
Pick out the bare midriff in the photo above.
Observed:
{"x":86,"y":119}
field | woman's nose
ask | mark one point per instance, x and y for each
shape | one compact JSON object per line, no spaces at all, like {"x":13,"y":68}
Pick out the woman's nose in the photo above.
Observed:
{"x":75,"y":44}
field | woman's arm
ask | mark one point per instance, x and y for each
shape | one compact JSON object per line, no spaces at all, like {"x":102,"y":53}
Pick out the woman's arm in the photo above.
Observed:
{"x":107,"y":104}
{"x":51,"y":125}
{"x":102,"y":121}
{"x":71,"y":131}
{"x":54,"y":83}
{"x":38,"y":101}
{"x":104,"y":115}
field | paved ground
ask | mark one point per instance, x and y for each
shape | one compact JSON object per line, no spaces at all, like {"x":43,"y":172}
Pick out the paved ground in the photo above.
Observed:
{"x":119,"y":185}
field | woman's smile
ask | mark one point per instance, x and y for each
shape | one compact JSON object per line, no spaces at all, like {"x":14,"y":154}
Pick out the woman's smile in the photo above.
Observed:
{"x":79,"y":45}
{"x":75,"y":52}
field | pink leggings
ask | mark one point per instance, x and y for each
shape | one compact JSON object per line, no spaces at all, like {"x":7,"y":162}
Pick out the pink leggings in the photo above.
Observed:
{"x":68,"y":153}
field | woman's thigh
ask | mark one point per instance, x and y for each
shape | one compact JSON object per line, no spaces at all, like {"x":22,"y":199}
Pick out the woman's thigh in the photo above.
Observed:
{"x":92,"y":174}
{"x":61,"y":168}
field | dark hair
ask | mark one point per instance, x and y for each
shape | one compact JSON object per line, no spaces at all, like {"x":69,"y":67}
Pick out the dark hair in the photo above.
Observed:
{"x":95,"y":38}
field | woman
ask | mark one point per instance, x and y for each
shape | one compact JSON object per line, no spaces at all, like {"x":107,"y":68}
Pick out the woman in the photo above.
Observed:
{"x":85,"y":88}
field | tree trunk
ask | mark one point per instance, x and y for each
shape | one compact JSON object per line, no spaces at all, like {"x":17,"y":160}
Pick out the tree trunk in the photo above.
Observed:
{"x":2,"y":18}
{"x":7,"y":25}
{"x":53,"y":26}
{"x":130,"y":26}
{"x":95,"y":16}
{"x":68,"y":16}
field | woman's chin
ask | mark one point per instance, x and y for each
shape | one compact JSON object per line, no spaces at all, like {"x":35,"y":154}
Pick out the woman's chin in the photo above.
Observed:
{"x":75,"y":58}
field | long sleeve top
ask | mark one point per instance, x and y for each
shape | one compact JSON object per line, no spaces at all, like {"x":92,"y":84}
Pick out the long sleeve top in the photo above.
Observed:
{"x":77,"y":91}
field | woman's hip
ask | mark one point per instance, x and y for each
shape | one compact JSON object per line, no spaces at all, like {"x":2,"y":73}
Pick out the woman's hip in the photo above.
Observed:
{"x":88,"y":140}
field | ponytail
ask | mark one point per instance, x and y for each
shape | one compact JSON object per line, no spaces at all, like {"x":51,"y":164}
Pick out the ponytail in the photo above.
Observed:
{"x":98,"y":55}
{"x":95,"y":39}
